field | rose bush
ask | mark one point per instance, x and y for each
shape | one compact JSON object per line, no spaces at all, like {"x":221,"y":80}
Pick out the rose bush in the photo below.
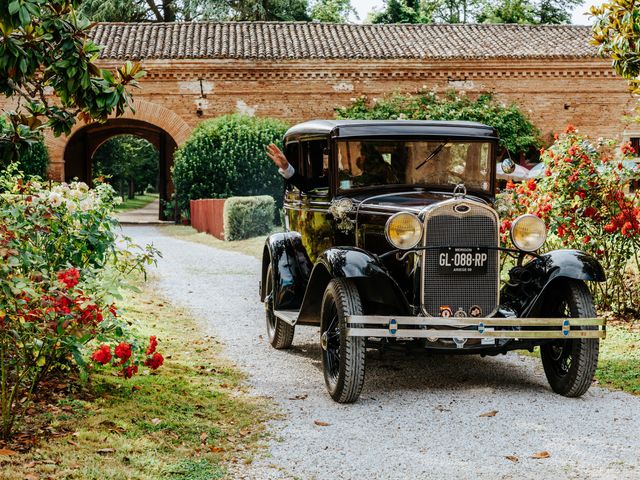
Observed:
{"x":62,"y":267}
{"x":583,"y":197}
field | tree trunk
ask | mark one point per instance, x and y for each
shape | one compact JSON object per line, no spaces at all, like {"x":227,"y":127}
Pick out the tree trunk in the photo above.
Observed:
{"x":132,"y":189}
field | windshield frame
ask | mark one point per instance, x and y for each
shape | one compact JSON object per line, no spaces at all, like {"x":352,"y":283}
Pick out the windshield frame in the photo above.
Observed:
{"x":493,"y":146}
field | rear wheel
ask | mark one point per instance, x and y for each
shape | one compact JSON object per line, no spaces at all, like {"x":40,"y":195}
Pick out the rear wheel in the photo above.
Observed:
{"x":280,"y":333}
{"x":571,"y":364}
{"x":343,"y":357}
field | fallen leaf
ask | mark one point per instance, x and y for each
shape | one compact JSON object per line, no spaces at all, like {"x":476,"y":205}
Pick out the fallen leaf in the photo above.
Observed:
{"x":216,"y":449}
{"x":321,"y":423}
{"x":6,"y":451}
{"x":539,"y":455}
{"x":156,"y":421}
{"x":512,"y":458}
{"x":71,"y":442}
{"x":492,"y":413}
{"x":104,"y":451}
{"x":203,"y":438}
{"x":299,"y":397}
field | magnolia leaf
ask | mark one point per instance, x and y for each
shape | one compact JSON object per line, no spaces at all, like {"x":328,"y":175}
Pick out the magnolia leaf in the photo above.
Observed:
{"x":541,"y":455}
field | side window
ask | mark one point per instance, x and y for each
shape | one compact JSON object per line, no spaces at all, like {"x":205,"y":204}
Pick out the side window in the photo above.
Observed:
{"x":292,"y":152}
{"x":315,"y":157}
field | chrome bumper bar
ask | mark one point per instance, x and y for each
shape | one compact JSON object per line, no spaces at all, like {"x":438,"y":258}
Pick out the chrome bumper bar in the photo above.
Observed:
{"x":465,"y":328}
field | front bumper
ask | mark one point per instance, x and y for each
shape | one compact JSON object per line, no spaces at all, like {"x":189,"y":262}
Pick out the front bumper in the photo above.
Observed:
{"x":434,"y":328}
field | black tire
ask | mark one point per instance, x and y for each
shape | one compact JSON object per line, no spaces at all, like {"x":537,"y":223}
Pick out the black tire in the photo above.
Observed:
{"x":280,"y":333}
{"x":343,"y":361}
{"x":570,"y":365}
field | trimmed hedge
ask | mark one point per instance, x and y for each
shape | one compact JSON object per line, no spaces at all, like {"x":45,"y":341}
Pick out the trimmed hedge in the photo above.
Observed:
{"x":246,"y":217}
{"x":226,"y":156}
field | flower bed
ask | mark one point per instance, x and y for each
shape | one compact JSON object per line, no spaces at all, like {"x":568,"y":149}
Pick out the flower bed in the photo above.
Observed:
{"x":62,"y":267}
{"x":583,"y":198}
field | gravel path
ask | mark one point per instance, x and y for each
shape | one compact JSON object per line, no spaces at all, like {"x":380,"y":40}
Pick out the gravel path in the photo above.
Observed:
{"x":418,"y":416}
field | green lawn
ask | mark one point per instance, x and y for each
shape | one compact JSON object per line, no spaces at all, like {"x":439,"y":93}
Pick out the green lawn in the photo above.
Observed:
{"x":185,"y":422}
{"x":138,"y":202}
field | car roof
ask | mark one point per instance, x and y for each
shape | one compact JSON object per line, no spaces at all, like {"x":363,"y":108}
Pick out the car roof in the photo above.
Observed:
{"x":383,"y":128}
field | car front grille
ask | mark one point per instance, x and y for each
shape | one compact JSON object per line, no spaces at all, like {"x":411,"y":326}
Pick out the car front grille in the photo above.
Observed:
{"x":460,"y":223}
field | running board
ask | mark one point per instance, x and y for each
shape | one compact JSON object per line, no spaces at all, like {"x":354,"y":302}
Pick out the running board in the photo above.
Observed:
{"x":288,"y":316}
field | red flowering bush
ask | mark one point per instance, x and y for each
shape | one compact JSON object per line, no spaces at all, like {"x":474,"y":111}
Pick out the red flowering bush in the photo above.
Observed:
{"x":60,"y":278}
{"x":128,"y":356}
{"x":583,"y":198}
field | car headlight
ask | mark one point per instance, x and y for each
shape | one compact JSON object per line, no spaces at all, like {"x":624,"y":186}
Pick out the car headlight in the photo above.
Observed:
{"x":403,"y":230}
{"x":528,"y":233}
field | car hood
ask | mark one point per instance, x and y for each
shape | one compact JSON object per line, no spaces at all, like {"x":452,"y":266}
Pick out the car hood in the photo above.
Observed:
{"x":410,"y":201}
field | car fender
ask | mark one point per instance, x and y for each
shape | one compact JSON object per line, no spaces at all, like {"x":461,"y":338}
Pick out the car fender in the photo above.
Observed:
{"x":549,"y":268}
{"x":375,"y":284}
{"x":291,"y":269}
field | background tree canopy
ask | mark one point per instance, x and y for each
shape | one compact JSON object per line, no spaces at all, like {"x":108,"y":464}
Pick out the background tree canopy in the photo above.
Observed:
{"x":476,"y":11}
{"x":517,"y":133}
{"x":128,"y":163}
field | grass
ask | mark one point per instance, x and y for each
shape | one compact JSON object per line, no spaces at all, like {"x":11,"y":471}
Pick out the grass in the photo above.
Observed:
{"x":185,"y":422}
{"x":251,"y":246}
{"x":138,"y":202}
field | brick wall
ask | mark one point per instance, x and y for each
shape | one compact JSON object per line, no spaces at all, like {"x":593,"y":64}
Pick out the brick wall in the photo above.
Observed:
{"x":178,"y":94}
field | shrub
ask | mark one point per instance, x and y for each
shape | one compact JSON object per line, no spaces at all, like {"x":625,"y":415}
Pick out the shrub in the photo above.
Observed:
{"x":517,"y":133}
{"x":61,"y":271}
{"x":246,"y":217}
{"x":32,"y":159}
{"x":581,"y":197}
{"x":225,"y":157}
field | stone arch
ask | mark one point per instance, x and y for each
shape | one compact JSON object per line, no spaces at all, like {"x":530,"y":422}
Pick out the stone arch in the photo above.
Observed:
{"x":148,"y":112}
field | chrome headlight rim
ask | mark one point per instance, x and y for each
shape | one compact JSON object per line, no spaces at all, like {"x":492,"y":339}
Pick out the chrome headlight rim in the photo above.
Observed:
{"x":396,"y":215}
{"x":513,"y":229}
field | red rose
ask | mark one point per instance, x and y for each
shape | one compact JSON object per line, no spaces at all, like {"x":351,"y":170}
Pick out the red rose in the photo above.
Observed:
{"x":562,"y":231}
{"x":69,"y":277}
{"x":547,"y":172}
{"x":610,"y":227}
{"x":102,"y":355}
{"x":154,"y":362}
{"x":153,"y":343}
{"x":581,"y":194}
{"x":570,"y":129}
{"x":590,"y":212}
{"x":531,"y":184}
{"x":123,"y":352}
{"x":510,"y":185}
{"x":586,"y":239}
{"x":129,"y":372}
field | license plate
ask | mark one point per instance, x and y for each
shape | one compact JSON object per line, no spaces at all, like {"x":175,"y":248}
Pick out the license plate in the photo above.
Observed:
{"x":463,"y":260}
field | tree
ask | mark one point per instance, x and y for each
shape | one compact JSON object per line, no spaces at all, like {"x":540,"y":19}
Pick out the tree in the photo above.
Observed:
{"x":128,"y":161}
{"x":616,"y":34}
{"x":154,"y":10}
{"x":402,"y":11}
{"x":556,"y":11}
{"x":46,"y":54}
{"x":508,"y":11}
{"x":332,"y":11}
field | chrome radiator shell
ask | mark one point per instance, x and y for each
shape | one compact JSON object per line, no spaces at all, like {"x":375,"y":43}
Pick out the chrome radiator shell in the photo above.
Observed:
{"x":460,"y":222}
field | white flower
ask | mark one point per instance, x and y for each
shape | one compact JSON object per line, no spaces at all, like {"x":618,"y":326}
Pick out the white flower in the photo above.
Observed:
{"x":83,"y":187}
{"x":117,"y":200}
{"x":86,"y":204}
{"x":72,"y":207}
{"x":55,"y":199}
{"x":402,"y":116}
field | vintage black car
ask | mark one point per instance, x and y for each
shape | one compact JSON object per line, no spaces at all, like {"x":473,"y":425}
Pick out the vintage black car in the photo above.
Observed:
{"x":391,"y":238}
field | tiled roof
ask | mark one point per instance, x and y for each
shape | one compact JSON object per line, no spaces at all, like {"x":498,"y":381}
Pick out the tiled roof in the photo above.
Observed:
{"x":297,"y":40}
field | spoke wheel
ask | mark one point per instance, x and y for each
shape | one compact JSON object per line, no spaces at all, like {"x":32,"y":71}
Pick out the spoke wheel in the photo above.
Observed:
{"x":343,"y":357}
{"x":280,"y":333}
{"x":571,"y":364}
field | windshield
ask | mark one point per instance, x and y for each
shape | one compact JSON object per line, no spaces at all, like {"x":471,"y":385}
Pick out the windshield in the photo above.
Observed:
{"x":363,"y":163}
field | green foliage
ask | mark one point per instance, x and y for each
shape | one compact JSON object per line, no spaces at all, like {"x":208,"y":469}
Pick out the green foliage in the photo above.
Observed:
{"x":616,"y":33}
{"x":128,"y":163}
{"x":247,"y":217}
{"x":476,"y":11}
{"x":153,"y":10}
{"x":61,"y":270}
{"x":517,"y":133}
{"x":273,"y":10}
{"x":332,"y":11}
{"x":46,"y":45}
{"x":33,"y":159}
{"x":583,"y":199}
{"x":226,"y":156}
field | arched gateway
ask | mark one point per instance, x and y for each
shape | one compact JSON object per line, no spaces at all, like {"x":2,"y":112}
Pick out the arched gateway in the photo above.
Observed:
{"x":70,"y":156}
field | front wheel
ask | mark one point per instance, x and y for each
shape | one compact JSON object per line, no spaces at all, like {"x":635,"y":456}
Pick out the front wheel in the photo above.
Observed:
{"x":280,"y":333}
{"x":570,"y":365}
{"x":342,"y":356}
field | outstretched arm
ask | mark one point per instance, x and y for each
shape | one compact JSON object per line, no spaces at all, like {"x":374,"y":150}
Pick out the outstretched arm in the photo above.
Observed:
{"x":275,"y":154}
